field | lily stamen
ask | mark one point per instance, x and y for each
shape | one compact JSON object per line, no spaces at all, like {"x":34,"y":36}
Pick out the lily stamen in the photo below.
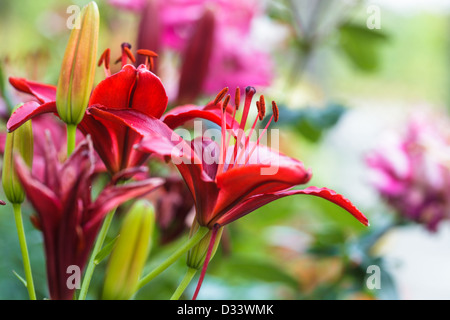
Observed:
{"x":223,"y":149}
{"x":275,"y":111}
{"x":237,"y":100}
{"x":105,"y":60}
{"x":126,"y":54}
{"x":249,"y":93}
{"x":261,"y":106}
{"x":275,"y":116}
{"x":220,"y":96}
{"x":149,"y":55}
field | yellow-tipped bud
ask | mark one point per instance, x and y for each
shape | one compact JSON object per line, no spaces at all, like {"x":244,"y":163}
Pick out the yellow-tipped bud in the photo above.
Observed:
{"x":197,"y":255}
{"x":18,"y":142}
{"x":78,"y":67}
{"x":130,"y":253}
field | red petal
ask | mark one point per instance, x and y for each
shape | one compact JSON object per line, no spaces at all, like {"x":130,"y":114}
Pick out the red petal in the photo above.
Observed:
{"x":160,"y":139}
{"x":133,"y":88}
{"x":104,"y":140}
{"x":44,"y":200}
{"x":149,"y":96}
{"x":113,"y":196}
{"x":258,"y":201}
{"x":43,"y":92}
{"x":28,"y":111}
{"x":182,"y":114}
{"x":241,"y":182}
{"x":114,"y":91}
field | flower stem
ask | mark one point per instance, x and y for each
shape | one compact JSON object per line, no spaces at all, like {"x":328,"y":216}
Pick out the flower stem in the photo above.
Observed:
{"x":71,"y":135}
{"x":201,"y":232}
{"x":23,"y":247}
{"x":184,"y":283}
{"x":97,"y":247}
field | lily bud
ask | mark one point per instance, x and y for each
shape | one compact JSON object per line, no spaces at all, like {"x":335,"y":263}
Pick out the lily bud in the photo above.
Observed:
{"x":196,"y":59}
{"x":197,"y":255}
{"x":130,"y":253}
{"x":78,"y":67}
{"x":18,"y":142}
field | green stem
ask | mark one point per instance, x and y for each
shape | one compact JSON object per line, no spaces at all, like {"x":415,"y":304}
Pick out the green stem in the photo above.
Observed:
{"x":71,"y":135}
{"x":97,"y":247}
{"x":184,"y":283}
{"x":23,"y":247}
{"x":201,"y":232}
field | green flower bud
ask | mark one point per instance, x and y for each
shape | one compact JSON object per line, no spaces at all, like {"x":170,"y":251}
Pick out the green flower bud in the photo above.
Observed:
{"x":78,"y":67}
{"x":130,"y":252}
{"x":197,"y":255}
{"x":19,"y":142}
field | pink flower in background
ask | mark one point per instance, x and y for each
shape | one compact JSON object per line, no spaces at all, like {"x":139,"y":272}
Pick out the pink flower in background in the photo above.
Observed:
{"x":412,"y":172}
{"x":235,"y":60}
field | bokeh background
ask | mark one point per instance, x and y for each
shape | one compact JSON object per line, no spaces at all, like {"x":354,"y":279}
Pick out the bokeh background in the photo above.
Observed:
{"x":344,"y":90}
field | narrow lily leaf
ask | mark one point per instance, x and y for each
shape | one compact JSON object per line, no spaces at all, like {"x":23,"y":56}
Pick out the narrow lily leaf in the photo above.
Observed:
{"x":20,"y":278}
{"x":106,"y":250}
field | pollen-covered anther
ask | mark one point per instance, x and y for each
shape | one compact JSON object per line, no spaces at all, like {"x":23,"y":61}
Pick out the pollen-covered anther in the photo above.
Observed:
{"x":275,"y":111}
{"x":129,"y":54}
{"x":237,"y":98}
{"x":220,"y":95}
{"x":105,"y":58}
{"x":225,"y":102}
{"x":149,"y":55}
{"x":126,"y":53}
{"x":262,"y":107}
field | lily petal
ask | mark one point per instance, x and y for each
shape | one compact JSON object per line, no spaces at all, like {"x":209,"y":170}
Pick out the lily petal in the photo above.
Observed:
{"x":138,"y":89}
{"x":27,"y":111}
{"x":113,"y":196}
{"x":258,"y":201}
{"x":182,"y":114}
{"x":42,"y":92}
{"x":280,"y":173}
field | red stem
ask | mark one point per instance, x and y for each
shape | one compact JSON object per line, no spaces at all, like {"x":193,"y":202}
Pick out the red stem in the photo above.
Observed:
{"x":207,"y":258}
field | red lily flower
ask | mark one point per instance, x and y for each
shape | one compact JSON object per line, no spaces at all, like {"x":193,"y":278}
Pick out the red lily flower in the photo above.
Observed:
{"x":219,"y":194}
{"x":66,"y":214}
{"x":131,"y":88}
{"x":231,"y":184}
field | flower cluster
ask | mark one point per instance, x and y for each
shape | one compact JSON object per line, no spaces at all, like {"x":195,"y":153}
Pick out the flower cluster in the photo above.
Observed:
{"x":412,"y":171}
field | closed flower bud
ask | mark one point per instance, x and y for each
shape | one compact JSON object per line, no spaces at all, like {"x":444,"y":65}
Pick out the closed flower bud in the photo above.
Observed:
{"x":130,"y":253}
{"x":196,"y":256}
{"x":78,"y":67}
{"x":19,"y":142}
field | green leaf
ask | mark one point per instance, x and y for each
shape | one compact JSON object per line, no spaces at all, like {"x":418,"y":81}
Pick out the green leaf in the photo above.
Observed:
{"x":310,"y":121}
{"x":106,"y":250}
{"x":362,"y":46}
{"x":259,"y":270}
